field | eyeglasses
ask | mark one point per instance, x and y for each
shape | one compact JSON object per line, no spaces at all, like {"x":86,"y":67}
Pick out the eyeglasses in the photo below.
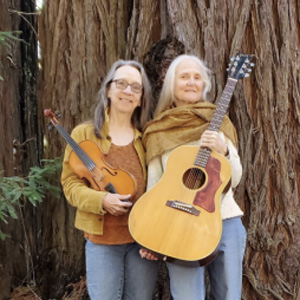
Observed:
{"x":123,"y":84}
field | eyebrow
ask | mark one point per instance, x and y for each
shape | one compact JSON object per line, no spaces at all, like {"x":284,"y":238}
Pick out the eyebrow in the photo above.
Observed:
{"x":188,"y":73}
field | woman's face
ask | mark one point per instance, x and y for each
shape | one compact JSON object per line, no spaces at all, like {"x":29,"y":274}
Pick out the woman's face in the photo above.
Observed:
{"x":188,"y":85}
{"x":124,"y":91}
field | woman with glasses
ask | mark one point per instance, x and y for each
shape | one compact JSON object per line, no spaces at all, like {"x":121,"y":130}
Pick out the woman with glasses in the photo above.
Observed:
{"x":113,"y":265}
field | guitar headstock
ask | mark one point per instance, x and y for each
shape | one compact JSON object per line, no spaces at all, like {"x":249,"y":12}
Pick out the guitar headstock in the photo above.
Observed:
{"x":240,"y":66}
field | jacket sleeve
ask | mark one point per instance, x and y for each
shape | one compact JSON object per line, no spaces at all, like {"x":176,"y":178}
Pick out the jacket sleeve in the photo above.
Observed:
{"x":76,"y":190}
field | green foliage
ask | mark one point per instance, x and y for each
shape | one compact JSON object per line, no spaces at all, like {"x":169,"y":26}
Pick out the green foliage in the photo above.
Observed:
{"x":7,"y":39}
{"x":15,"y":190}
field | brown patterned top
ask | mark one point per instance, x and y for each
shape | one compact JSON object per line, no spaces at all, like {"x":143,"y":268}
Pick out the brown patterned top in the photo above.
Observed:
{"x":115,"y":231}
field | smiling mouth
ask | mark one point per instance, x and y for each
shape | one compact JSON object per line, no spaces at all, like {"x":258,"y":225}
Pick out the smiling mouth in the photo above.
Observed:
{"x":126,"y":100}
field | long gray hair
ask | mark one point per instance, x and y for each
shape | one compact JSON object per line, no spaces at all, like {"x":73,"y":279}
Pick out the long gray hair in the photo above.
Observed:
{"x":141,"y":114}
{"x":167,"y":98}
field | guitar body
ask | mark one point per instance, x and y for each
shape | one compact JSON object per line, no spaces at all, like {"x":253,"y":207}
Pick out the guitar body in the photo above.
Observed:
{"x":178,"y":219}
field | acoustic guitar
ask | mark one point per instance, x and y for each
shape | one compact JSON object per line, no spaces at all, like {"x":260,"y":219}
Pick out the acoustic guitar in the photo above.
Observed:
{"x":179,"y":217}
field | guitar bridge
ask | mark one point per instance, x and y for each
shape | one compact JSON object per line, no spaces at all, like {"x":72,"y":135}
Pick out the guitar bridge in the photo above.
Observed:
{"x":184,"y":207}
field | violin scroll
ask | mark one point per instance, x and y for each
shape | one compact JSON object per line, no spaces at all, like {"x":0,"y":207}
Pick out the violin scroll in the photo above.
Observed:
{"x":54,"y":116}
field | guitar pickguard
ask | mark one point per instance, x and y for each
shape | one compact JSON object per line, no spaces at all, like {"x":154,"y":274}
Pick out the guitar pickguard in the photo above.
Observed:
{"x":205,"y":198}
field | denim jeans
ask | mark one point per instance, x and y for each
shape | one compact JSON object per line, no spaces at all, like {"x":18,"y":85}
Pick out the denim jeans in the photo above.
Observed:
{"x":225,"y":272}
{"x":116,"y":272}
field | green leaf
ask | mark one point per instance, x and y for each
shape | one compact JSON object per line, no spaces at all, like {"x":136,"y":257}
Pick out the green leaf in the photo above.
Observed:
{"x":14,"y":191}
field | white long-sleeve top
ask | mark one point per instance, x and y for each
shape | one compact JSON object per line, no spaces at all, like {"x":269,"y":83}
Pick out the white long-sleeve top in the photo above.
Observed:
{"x":229,"y":207}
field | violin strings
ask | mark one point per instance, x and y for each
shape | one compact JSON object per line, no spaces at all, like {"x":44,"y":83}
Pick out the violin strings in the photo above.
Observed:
{"x":77,"y":149}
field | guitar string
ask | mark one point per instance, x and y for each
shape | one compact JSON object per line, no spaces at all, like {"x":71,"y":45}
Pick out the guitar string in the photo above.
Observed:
{"x":215,"y":125}
{"x":196,"y":176}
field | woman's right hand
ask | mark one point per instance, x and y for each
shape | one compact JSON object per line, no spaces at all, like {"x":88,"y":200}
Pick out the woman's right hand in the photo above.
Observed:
{"x":115,"y":204}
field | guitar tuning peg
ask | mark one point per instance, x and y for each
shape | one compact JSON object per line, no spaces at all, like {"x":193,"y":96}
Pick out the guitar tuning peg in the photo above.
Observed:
{"x":249,"y":70}
{"x":252,"y":64}
{"x":232,"y":58}
{"x":247,"y":75}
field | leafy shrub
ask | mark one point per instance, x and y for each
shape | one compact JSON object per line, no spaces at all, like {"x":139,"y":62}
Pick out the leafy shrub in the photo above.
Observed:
{"x":15,"y":190}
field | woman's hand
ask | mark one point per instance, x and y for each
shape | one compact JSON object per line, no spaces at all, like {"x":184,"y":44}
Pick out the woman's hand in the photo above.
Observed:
{"x":145,"y":253}
{"x":212,"y":140}
{"x":115,"y":204}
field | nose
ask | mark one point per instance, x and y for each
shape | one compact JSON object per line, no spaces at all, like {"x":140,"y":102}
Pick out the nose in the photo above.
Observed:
{"x":191,"y":81}
{"x":128,"y":90}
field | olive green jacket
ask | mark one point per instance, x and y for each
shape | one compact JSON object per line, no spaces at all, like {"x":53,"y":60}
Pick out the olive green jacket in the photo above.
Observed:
{"x":90,"y":213}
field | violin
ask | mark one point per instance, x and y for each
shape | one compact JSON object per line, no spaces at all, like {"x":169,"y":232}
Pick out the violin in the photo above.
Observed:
{"x":87,"y":162}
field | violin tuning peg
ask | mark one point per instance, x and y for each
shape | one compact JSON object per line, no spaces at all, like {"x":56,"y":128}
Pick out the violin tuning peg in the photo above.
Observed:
{"x":50,"y":126}
{"x":58,"y":114}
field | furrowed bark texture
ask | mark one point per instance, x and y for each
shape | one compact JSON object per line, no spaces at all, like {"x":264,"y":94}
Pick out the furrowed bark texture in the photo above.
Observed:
{"x":21,"y":144}
{"x":9,"y":129}
{"x":81,"y":39}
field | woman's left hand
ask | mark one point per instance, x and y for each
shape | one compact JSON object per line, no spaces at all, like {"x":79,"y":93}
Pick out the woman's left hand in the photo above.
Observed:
{"x":212,"y":140}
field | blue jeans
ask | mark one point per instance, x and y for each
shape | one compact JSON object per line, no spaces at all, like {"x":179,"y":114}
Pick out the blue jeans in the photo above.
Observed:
{"x":116,"y":272}
{"x":225,"y":272}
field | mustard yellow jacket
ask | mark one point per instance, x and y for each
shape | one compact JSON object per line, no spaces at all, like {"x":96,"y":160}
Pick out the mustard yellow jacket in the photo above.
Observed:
{"x":90,"y":213}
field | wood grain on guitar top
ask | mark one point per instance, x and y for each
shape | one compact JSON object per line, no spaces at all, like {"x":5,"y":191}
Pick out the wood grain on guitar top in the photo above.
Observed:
{"x":176,"y":230}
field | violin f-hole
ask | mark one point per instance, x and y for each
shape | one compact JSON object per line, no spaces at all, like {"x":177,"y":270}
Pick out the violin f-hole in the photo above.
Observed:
{"x":108,"y":171}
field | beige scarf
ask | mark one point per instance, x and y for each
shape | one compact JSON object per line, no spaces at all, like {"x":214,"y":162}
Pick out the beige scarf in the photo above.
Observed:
{"x":181,"y":125}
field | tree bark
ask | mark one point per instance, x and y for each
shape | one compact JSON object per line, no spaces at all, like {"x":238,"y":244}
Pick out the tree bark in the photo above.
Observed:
{"x":21,"y":146}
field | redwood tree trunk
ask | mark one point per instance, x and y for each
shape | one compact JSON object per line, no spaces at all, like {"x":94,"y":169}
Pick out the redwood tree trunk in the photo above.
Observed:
{"x":81,"y":39}
{"x":21,"y":140}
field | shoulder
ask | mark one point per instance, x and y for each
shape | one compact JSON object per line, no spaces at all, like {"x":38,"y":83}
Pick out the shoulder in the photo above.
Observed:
{"x":84,"y":126}
{"x":84,"y":130}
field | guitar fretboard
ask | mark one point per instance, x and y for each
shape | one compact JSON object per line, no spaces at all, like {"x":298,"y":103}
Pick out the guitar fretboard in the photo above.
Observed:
{"x":217,"y":119}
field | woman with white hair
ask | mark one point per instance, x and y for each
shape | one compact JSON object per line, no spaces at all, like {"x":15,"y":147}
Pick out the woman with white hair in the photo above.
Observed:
{"x":181,"y":118}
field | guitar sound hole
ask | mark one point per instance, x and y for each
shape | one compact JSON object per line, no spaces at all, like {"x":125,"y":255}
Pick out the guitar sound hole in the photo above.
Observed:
{"x":193,"y":178}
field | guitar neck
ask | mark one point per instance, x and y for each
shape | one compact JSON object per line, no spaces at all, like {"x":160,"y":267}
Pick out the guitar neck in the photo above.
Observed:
{"x":76,"y":148}
{"x":217,"y":119}
{"x":223,"y":105}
